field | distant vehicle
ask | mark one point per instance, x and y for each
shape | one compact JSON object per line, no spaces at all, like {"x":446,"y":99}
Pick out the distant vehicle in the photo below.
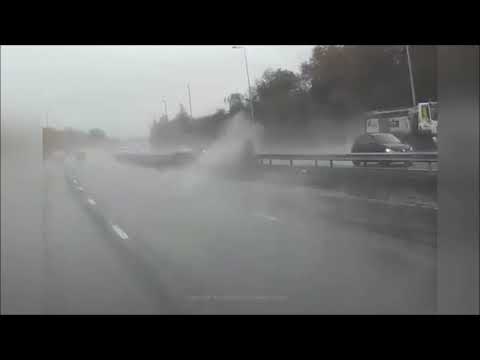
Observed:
{"x":185,"y":155}
{"x":379,"y":142}
{"x":416,"y":125}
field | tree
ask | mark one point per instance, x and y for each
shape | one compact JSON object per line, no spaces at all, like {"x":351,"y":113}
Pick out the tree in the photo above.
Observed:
{"x":236,"y":103}
{"x":281,"y":100}
{"x":182,"y":119}
{"x":350,"y":79}
{"x":163,"y":119}
{"x":277,"y":83}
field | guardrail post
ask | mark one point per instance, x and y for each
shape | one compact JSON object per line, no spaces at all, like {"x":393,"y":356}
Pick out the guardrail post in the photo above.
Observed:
{"x":270,"y":162}
{"x":331,"y":163}
{"x":316,"y":162}
{"x":430,"y":166}
{"x":291,"y":162}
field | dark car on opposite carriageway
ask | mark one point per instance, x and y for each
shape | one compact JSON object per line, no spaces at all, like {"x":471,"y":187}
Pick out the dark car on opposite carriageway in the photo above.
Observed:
{"x":379,"y":143}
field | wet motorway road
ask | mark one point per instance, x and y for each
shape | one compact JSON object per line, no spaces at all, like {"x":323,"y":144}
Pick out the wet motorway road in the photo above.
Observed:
{"x":197,"y":243}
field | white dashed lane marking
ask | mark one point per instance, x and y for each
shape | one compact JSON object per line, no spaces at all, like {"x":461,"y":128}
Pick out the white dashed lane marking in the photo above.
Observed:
{"x":117,"y":229}
{"x":123,"y":235}
{"x":266,"y":217}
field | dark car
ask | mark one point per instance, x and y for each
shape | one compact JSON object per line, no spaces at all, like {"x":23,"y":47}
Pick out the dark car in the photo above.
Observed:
{"x":379,"y":142}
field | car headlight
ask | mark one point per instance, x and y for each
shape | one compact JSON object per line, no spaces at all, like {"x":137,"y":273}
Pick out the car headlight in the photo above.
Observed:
{"x":410,"y":148}
{"x":388,"y":150}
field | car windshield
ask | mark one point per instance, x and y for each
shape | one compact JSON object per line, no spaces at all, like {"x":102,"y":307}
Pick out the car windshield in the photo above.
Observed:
{"x":165,"y":184}
{"x":386,"y":139}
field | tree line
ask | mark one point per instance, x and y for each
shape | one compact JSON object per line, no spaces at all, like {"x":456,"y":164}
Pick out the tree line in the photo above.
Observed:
{"x":331,"y":88}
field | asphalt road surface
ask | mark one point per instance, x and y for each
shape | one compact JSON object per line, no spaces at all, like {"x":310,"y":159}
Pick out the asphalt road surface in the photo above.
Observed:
{"x":200,"y":244}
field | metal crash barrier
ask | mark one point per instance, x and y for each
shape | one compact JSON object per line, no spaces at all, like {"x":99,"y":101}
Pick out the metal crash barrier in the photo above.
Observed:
{"x":362,"y":158}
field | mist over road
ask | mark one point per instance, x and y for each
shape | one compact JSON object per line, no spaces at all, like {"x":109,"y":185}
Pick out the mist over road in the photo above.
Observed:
{"x":220,"y":246}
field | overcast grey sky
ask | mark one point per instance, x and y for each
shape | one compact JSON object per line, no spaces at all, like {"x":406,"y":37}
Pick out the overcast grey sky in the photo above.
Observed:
{"x":120,"y":88}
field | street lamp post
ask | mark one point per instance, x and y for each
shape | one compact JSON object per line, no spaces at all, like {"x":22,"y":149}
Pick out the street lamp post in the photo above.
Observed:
{"x":190,"y":100}
{"x":248,"y":80}
{"x":165,"y":109}
{"x":412,"y":85}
